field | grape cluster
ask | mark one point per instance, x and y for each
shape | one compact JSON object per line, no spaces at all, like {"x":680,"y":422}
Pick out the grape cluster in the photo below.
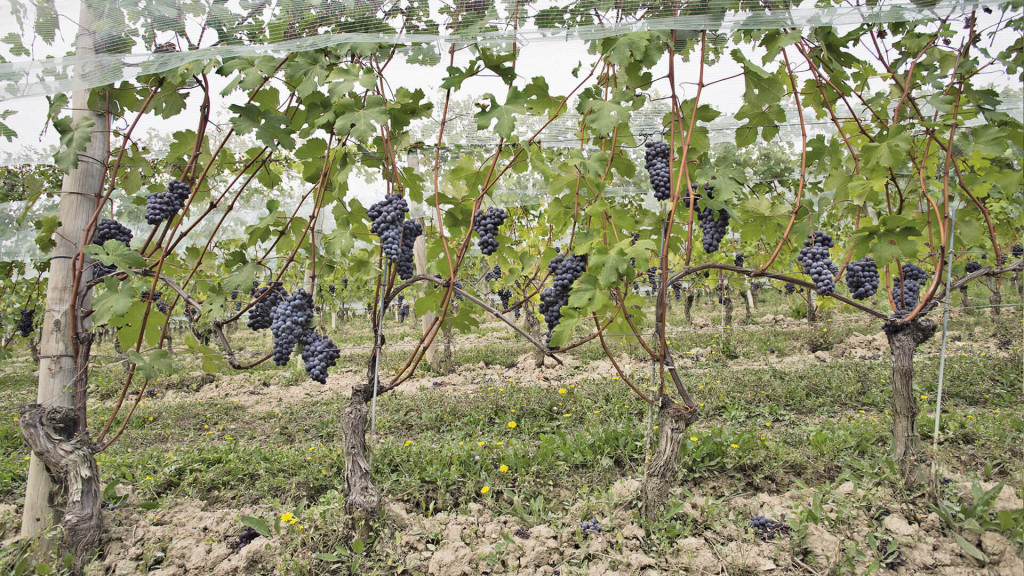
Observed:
{"x":458,"y":295}
{"x":1017,"y":251}
{"x":591,"y":525}
{"x":652,"y":277}
{"x":162,"y":307}
{"x":905,"y":292}
{"x":289,"y":320}
{"x":656,"y":162}
{"x":713,"y":229}
{"x":565,"y":271}
{"x":814,"y":257}
{"x":767,"y":529}
{"x":410,"y":231}
{"x":318,"y":352}
{"x":790,"y":288}
{"x":162,"y":205}
{"x":148,"y":296}
{"x":862,"y":278}
{"x":332,"y":289}
{"x":344,"y":283}
{"x":1003,"y":258}
{"x":403,"y":312}
{"x":25,"y":322}
{"x":738,"y":259}
{"x":972,"y":267}
{"x":388,"y":216}
{"x":267,"y":298}
{"x":505,"y":294}
{"x":244,"y":539}
{"x":108,"y":229}
{"x":677,"y":290}
{"x":486,"y":224}
{"x":191,"y":313}
{"x":493,"y":274}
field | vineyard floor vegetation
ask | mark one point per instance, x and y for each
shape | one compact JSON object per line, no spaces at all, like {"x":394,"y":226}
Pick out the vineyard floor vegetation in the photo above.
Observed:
{"x":205,"y":451}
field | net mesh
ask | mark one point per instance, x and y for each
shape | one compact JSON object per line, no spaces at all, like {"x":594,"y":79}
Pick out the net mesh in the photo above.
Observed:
{"x":134,"y":38}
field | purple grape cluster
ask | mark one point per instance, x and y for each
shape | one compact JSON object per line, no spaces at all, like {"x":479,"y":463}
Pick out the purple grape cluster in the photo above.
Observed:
{"x":410,"y":231}
{"x":591,"y":525}
{"x":737,"y":259}
{"x":1017,"y":251}
{"x":387,"y":218}
{"x":656,"y":162}
{"x":652,"y":277}
{"x":564,"y":271}
{"x":814,"y":257}
{"x":289,"y":320}
{"x":862,"y":278}
{"x":108,"y":229}
{"x":403,"y":312}
{"x":767,"y":529}
{"x":162,"y":205}
{"x":506,"y":295}
{"x":148,"y":296}
{"x":486,"y":224}
{"x":713,"y":229}
{"x":677,"y":290}
{"x":243,"y":539}
{"x":972,"y":267}
{"x":790,"y":288}
{"x":493,"y":273}
{"x":162,"y":307}
{"x":318,"y":354}
{"x":267,"y":298}
{"x":25,"y":327}
{"x":905,"y":292}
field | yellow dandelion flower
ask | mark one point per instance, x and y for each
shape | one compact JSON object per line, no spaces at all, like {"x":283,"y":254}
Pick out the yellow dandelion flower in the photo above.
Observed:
{"x":693,"y":438}
{"x":480,"y":443}
{"x":503,"y":468}
{"x":287,"y":517}
{"x":485,"y":489}
{"x":734,"y":445}
{"x":563,"y":391}
{"x":407,"y":443}
{"x":511,"y":424}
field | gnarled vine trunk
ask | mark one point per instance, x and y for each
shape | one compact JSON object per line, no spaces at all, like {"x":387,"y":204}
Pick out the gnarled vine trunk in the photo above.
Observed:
{"x":663,"y":469}
{"x":965,"y":301}
{"x":363,"y":500}
{"x":995,"y":300}
{"x":533,"y":327}
{"x":907,"y":450}
{"x":687,"y":305}
{"x":69,"y":459}
{"x":747,"y":299}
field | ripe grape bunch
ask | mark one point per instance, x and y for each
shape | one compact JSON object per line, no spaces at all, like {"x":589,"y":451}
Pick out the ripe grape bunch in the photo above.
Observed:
{"x":388,"y":216}
{"x":162,"y":205}
{"x":738,"y":259}
{"x":814,"y":257}
{"x":410,"y":231}
{"x":656,"y":162}
{"x":862,"y":278}
{"x":972,"y":267}
{"x":106,"y":230}
{"x":506,"y":295}
{"x":790,"y":288}
{"x":905,"y":293}
{"x":591,"y":525}
{"x":148,"y":296}
{"x":1017,"y":251}
{"x":289,"y":320}
{"x":25,"y":322}
{"x":403,"y":312}
{"x":767,"y":529}
{"x":713,"y":229}
{"x":493,"y":274}
{"x":318,"y":353}
{"x":677,"y":290}
{"x":565,"y":271}
{"x":267,"y":298}
{"x":486,"y":224}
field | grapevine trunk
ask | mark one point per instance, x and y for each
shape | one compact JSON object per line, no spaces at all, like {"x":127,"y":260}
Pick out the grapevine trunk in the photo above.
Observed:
{"x":907,"y":450}
{"x":664,"y":465}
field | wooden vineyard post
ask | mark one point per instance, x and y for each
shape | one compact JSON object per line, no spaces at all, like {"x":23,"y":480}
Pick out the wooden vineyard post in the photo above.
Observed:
{"x":419,"y":256}
{"x":80,"y":189}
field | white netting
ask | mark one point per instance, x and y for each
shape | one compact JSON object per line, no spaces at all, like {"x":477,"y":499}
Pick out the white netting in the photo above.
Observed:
{"x":153,"y":36}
